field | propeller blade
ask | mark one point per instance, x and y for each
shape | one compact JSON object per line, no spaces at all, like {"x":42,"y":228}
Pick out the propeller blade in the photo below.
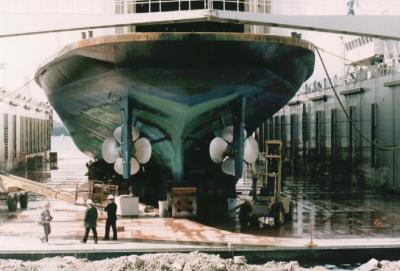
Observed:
{"x":118,"y":134}
{"x":228,"y":166}
{"x":227,"y":133}
{"x":109,"y":150}
{"x":134,"y":166}
{"x":119,"y":166}
{"x":142,"y":150}
{"x":135,"y":134}
{"x":218,"y":148}
{"x":250,"y":153}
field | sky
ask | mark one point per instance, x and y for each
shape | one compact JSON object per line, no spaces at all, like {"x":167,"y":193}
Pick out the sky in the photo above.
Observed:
{"x":23,"y":55}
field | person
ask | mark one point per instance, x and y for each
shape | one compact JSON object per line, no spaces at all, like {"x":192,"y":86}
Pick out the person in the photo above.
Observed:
{"x":90,"y":221}
{"x":44,"y":220}
{"x":111,"y":221}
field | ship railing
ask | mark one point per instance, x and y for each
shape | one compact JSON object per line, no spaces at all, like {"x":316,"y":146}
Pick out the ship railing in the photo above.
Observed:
{"x":349,"y":78}
{"x":150,"y":6}
{"x":154,"y":6}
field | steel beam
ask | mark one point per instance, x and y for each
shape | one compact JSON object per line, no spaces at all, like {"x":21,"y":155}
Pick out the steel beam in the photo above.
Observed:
{"x":14,"y":25}
{"x":239,"y":110}
{"x":375,"y":26}
{"x":126,"y":137}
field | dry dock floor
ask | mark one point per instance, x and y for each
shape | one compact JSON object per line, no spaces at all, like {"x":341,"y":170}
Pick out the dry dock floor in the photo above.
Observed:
{"x":20,"y":232}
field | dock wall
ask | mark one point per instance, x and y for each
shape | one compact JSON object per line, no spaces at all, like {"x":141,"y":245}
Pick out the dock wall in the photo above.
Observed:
{"x":25,"y":130}
{"x":314,"y":129}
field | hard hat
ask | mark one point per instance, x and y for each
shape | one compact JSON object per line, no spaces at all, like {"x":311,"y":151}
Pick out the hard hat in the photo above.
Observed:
{"x":89,"y":201}
{"x":110,"y":197}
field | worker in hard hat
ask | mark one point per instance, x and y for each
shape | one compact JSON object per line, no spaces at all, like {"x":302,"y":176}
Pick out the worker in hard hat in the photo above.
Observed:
{"x":90,"y":221}
{"x":111,"y":221}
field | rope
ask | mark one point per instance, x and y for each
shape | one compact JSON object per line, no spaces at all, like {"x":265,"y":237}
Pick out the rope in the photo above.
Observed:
{"x":379,"y":146}
{"x":335,"y":55}
{"x":9,"y":93}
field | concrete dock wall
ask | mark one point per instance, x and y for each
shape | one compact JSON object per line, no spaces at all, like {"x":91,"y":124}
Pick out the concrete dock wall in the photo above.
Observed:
{"x":315,"y":129}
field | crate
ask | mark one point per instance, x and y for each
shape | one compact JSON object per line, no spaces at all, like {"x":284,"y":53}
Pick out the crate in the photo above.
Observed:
{"x":184,"y":202}
{"x":99,"y":192}
{"x":12,"y":189}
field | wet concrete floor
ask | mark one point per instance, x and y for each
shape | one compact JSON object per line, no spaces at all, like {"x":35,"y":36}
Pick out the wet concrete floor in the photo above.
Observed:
{"x":326,"y":206}
{"x":70,"y":170}
{"x":333,"y":208}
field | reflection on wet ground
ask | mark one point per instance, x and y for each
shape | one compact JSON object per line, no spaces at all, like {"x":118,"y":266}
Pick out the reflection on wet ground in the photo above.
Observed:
{"x":70,"y":170}
{"x":340,"y":207}
{"x":333,"y":208}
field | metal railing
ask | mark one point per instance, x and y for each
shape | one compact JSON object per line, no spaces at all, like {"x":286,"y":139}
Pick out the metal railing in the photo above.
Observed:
{"x":350,"y":78}
{"x":136,"y":6}
{"x":149,"y":6}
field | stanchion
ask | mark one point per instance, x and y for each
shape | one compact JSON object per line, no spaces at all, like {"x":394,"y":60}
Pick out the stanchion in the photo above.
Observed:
{"x":311,"y":244}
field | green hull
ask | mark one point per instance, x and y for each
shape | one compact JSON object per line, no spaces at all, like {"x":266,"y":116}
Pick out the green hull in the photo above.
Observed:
{"x":182,"y":85}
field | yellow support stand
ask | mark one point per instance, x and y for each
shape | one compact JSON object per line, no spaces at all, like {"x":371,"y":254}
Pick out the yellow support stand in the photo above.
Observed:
{"x":273,"y":164}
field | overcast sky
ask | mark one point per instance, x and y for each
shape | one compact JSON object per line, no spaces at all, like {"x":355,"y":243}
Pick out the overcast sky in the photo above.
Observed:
{"x":23,"y":55}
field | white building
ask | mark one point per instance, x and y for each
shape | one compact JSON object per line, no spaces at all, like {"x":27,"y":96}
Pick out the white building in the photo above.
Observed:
{"x":25,"y":129}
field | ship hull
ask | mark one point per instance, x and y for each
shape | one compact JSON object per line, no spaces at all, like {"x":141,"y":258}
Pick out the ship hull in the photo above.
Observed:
{"x":182,"y":86}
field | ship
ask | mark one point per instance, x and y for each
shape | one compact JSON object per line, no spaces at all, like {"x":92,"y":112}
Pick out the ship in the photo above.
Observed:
{"x":183,"y":86}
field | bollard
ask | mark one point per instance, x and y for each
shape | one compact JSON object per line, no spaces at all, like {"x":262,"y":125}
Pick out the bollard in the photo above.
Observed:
{"x":23,"y":200}
{"x":311,"y":244}
{"x":12,"y":200}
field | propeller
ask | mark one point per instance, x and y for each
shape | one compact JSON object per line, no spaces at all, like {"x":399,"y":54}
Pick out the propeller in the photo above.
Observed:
{"x":141,"y":152}
{"x":221,"y":150}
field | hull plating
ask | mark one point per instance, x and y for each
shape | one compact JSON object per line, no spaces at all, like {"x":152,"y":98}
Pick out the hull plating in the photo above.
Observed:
{"x":182,"y":85}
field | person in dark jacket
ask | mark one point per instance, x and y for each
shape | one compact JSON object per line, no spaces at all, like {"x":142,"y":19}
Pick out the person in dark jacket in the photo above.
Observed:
{"x":90,"y":221}
{"x":111,"y":221}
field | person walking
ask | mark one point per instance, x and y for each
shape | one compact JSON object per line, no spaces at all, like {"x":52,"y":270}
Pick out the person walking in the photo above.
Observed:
{"x":90,"y":221}
{"x":44,"y":220}
{"x":111,"y":221}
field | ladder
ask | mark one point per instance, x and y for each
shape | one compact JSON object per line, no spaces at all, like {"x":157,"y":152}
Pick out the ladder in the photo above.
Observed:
{"x":273,"y":164}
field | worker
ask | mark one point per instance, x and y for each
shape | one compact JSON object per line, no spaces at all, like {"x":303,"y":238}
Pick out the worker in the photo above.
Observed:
{"x":44,"y":220}
{"x":111,"y":221}
{"x":90,"y":221}
{"x":245,"y":214}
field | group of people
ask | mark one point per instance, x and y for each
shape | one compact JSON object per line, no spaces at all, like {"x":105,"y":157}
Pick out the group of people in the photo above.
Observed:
{"x":90,"y":220}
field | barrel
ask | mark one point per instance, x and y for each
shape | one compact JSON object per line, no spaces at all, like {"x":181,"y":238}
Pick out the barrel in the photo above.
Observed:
{"x":163,"y":208}
{"x":231,"y":206}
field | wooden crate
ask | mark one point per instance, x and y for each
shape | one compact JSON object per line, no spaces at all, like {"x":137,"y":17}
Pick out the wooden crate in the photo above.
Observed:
{"x":99,"y":192}
{"x":12,"y":189}
{"x":184,"y":202}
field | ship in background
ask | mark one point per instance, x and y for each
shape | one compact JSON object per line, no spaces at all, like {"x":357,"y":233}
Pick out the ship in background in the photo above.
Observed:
{"x":184,"y":81}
